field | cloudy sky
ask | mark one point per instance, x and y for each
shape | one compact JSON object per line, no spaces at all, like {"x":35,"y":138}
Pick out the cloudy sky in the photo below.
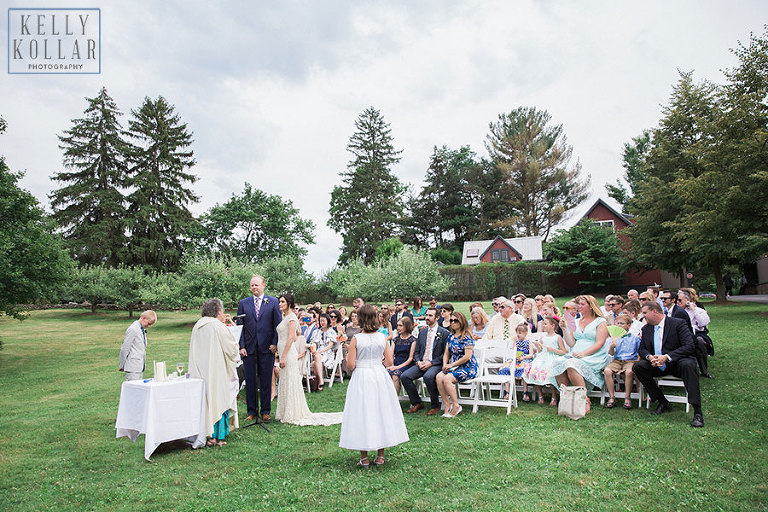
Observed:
{"x":271,"y":90}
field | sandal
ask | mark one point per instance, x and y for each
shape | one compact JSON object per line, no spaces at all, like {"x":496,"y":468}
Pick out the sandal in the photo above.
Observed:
{"x":526,"y":396}
{"x":220,"y":443}
{"x":210,"y":443}
{"x":364,"y":463}
{"x":540,"y":401}
{"x":378,"y":461}
{"x":627,"y":404}
{"x":610,"y":403}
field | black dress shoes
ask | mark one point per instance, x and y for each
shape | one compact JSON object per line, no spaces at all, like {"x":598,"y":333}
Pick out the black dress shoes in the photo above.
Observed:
{"x":665,"y":407}
{"x":698,"y":421}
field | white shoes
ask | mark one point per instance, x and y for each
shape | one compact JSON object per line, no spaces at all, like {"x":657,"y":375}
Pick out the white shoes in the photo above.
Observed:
{"x":449,"y":415}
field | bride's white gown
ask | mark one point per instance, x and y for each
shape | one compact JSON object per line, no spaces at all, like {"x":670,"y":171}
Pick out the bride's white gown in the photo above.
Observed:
{"x":291,"y":403}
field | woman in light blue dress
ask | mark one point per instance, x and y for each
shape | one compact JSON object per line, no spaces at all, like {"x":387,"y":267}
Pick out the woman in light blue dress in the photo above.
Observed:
{"x":584,"y":365}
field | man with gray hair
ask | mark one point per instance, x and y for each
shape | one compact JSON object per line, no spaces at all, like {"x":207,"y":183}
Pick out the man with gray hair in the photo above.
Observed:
{"x":502,"y":326}
{"x":134,"y":349}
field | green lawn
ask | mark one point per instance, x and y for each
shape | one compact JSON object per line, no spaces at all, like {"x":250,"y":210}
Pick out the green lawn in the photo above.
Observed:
{"x":60,"y":390}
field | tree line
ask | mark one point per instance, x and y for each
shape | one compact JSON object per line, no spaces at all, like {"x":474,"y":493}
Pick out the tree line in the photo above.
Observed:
{"x":525,"y":186}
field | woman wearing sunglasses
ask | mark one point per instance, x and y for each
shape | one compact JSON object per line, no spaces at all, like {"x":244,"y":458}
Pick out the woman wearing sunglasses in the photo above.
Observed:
{"x":459,"y":364}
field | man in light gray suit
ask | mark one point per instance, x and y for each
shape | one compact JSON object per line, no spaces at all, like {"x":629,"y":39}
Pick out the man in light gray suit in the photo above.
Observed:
{"x":134,"y":348}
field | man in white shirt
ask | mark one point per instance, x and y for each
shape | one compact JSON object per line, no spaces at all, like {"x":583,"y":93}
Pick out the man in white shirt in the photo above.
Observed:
{"x":502,"y":326}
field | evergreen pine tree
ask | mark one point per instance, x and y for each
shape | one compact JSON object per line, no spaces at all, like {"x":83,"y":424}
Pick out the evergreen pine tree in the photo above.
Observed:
{"x":90,"y":207}
{"x":158,"y":203}
{"x":369,"y":205}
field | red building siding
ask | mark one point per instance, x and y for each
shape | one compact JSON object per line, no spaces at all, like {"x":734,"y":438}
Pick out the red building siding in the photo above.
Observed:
{"x":499,"y":243}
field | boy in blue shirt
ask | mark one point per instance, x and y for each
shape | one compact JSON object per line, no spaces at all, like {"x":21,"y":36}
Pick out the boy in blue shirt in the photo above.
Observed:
{"x":624,"y":352}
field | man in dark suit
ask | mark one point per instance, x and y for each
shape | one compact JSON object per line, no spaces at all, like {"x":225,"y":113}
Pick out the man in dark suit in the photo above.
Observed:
{"x":428,"y":355}
{"x":400,"y":312}
{"x":667,"y":348}
{"x":674,"y":310}
{"x":258,"y":344}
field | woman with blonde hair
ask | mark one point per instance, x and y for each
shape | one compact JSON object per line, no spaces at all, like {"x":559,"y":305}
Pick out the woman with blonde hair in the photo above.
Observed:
{"x":459,"y":364}
{"x":530,"y":313}
{"x":479,"y":321}
{"x":584,"y":365}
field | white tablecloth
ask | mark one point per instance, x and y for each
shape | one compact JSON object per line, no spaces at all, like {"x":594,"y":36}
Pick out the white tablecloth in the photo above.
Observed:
{"x":162,"y":411}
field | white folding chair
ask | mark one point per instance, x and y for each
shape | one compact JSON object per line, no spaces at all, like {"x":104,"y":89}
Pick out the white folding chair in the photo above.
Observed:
{"x":485,"y":383}
{"x":469,"y":385}
{"x":672,"y":382}
{"x":336,"y":370}
{"x":619,"y":382}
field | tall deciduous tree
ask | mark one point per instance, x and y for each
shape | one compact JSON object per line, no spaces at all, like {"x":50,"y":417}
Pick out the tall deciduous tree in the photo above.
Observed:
{"x":634,"y":163}
{"x":90,"y":207}
{"x":33,"y":260}
{"x":539,"y":183}
{"x":368,"y":207}
{"x":254,"y":226}
{"x":158,"y":205}
{"x":444,"y":210}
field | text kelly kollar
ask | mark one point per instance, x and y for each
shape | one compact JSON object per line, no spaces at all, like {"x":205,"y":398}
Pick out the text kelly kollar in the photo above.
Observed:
{"x":36,"y":47}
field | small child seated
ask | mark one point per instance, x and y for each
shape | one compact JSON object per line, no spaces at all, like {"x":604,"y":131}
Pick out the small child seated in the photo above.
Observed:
{"x":624,"y":352}
{"x":524,"y":356}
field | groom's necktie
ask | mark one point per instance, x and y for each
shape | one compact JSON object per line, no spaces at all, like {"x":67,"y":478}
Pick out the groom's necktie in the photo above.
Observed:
{"x":657,"y":344}
{"x":257,"y":306}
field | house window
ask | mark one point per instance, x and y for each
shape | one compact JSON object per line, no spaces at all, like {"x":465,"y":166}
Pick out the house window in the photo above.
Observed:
{"x":501,"y":255}
{"x":606,"y":223}
{"x":473,"y":253}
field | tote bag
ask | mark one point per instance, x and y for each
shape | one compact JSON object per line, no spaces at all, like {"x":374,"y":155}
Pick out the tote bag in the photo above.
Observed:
{"x":573,"y":402}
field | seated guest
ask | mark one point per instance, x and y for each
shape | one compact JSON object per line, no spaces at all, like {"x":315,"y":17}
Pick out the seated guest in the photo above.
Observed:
{"x":459,"y":364}
{"x":624,"y":352}
{"x":589,"y":354}
{"x":324,"y":339}
{"x":428,"y":357}
{"x":666,"y":348}
{"x":496,"y":305}
{"x":352,"y":328}
{"x":539,"y":299}
{"x":699,"y":320}
{"x":570,"y":308}
{"x":518,"y":301}
{"x":433,"y":304}
{"x":604,"y":308}
{"x":357,"y":303}
{"x":522,"y":361}
{"x":313,"y":324}
{"x":336,"y":325}
{"x":613,"y":308}
{"x":213,"y":353}
{"x":654,"y":292}
{"x":549,"y":346}
{"x":502,"y":326}
{"x":404,"y":346}
{"x":419,"y":310}
{"x":530,"y":314}
{"x":384,"y":327}
{"x":547,"y":310}
{"x":343,"y":318}
{"x":400,"y":311}
{"x":633,"y":295}
{"x":445,"y":312}
{"x":479,"y":321}
{"x":632,"y":309}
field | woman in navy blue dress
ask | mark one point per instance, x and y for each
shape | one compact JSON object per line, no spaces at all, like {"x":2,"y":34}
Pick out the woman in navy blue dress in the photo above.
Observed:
{"x":459,"y":364}
{"x":404,"y":345}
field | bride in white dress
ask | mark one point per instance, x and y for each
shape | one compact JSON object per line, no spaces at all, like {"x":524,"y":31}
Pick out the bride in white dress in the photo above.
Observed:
{"x":373,"y":419}
{"x":291,"y":403}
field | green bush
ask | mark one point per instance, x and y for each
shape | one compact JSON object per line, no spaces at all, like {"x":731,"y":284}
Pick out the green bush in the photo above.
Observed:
{"x":405,"y":274}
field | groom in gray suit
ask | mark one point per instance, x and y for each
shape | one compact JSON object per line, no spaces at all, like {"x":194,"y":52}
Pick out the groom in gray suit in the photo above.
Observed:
{"x":134,"y":349}
{"x":428,"y":358}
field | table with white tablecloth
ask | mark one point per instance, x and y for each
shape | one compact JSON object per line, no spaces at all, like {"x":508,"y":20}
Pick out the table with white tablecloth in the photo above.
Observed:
{"x":162,"y":411}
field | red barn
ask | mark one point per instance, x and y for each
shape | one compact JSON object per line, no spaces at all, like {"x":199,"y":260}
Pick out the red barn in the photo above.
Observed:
{"x":602,"y":213}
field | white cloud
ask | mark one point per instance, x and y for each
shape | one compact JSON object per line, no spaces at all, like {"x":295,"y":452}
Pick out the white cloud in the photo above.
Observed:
{"x":271,"y":92}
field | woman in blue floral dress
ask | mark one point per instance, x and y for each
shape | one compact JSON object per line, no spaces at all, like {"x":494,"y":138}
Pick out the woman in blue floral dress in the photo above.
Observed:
{"x":459,"y":363}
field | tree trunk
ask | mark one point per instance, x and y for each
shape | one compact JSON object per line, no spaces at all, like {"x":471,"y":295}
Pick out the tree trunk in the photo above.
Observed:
{"x":130,"y":312}
{"x":720,"y":284}
{"x":93,"y":307}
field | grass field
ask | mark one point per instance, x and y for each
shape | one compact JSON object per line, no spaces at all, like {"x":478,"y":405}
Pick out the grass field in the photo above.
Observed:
{"x":60,"y":391}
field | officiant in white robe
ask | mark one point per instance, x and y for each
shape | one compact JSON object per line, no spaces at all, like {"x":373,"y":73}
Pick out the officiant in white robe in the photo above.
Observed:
{"x":213,"y":354}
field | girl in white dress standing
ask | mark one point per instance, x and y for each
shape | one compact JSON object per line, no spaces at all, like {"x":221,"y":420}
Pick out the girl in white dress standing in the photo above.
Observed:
{"x":372,"y":417}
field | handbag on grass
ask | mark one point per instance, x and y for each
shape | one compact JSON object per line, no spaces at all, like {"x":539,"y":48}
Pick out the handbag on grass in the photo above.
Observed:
{"x":573,"y":402}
